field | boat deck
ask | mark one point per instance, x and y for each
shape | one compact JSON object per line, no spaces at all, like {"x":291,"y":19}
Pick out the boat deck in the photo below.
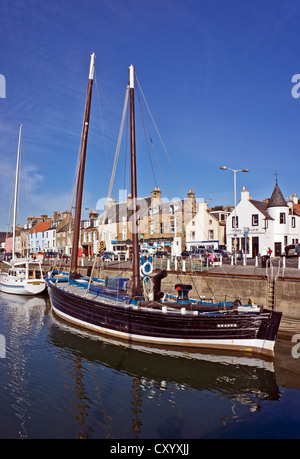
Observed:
{"x":169,"y":306}
{"x":82,"y":291}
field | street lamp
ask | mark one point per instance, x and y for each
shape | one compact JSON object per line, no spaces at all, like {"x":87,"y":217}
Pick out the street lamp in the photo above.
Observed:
{"x":224,"y":168}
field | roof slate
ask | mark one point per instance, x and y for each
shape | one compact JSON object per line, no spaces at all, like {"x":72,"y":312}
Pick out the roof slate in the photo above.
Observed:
{"x":277,"y":199}
{"x":262,"y":207}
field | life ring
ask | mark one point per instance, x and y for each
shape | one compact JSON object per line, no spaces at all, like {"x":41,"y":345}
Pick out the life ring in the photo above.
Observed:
{"x":148,"y":288}
{"x":143,"y":269}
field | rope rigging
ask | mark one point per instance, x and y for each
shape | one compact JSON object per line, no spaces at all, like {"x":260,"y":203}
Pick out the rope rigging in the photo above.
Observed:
{"x":146,"y":280}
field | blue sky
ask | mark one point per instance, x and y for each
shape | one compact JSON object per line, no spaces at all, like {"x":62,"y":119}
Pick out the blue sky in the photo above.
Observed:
{"x":217,"y":76}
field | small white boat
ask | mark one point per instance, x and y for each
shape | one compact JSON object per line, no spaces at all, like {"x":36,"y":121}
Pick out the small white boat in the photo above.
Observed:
{"x":22,"y":278}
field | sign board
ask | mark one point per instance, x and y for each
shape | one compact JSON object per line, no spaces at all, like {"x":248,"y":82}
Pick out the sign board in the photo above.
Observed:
{"x":101,"y":246}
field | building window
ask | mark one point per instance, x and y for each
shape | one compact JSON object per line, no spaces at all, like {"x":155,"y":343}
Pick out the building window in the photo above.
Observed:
{"x":211,"y":235}
{"x":233,"y":222}
{"x":293,"y":222}
{"x":124,"y":234}
{"x":282,"y":218}
{"x":161,"y":228}
{"x":192,"y":235}
{"x":151,"y":228}
{"x":173,"y":227}
{"x":255,"y":220}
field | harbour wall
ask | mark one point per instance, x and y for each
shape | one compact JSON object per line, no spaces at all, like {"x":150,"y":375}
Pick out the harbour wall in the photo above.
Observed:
{"x":229,"y":287}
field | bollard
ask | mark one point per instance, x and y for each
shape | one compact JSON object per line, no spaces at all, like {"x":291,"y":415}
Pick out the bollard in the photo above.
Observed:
{"x":244,"y":260}
{"x":298,"y":262}
{"x":175,"y":264}
{"x":183,"y":265}
{"x":232,"y":259}
{"x":168,"y":265}
{"x":256,"y":260}
{"x":283,"y":261}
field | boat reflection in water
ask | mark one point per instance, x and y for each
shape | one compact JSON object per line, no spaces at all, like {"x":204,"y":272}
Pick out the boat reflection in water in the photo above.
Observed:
{"x":58,"y":381}
{"x":158,"y":380}
{"x":21,"y":322}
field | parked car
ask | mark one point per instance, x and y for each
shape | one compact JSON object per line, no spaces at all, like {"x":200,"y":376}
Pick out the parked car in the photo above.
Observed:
{"x":161,"y":254}
{"x":109,"y":256}
{"x":225,"y":254}
{"x":185,"y":254}
{"x":290,"y":250}
{"x":198,"y":253}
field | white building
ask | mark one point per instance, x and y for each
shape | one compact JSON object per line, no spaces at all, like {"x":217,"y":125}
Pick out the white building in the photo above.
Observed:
{"x":38,"y":237}
{"x":260,"y":225}
{"x":50,"y":238}
{"x":204,"y":229}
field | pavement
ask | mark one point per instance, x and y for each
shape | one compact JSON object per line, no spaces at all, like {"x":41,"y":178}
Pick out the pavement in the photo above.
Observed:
{"x":290,"y":270}
{"x":252,"y":270}
{"x":276,"y":268}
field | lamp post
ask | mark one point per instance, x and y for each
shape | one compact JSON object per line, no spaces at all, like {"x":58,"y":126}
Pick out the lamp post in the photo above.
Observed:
{"x":224,"y":168}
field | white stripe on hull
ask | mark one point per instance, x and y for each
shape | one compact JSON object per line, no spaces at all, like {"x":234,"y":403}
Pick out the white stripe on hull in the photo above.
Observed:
{"x":247,"y":345}
{"x":23,"y":289}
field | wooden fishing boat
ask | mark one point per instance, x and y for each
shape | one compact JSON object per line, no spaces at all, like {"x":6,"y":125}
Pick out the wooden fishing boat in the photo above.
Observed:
{"x":136,"y":309}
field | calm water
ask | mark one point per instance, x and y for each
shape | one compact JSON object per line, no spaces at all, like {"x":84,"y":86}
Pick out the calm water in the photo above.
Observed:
{"x":59,"y":382}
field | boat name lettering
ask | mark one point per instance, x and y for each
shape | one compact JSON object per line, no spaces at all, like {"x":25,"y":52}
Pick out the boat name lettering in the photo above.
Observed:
{"x":226,"y":325}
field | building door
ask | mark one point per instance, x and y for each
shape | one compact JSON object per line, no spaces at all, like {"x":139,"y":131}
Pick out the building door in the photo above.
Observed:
{"x":255,"y":246}
{"x":277,"y":249}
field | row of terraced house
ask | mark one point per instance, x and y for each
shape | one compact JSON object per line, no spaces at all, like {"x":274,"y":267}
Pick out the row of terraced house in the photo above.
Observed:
{"x":164,"y":225}
{"x":171,"y":226}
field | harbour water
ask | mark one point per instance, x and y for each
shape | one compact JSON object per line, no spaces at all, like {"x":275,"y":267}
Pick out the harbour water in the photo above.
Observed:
{"x":57,"y":381}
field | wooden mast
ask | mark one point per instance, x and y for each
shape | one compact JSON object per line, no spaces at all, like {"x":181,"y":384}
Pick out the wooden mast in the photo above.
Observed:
{"x":136,"y":286}
{"x":80,"y":179}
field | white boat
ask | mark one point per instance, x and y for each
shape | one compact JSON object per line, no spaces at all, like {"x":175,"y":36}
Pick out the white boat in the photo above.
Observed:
{"x":22,"y":278}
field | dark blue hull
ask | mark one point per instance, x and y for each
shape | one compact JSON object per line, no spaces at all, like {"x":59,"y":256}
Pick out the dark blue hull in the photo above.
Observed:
{"x":253,"y":332}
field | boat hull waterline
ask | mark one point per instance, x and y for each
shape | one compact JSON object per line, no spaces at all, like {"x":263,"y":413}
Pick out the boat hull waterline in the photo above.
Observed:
{"x":253,"y":332}
{"x":23,"y":287}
